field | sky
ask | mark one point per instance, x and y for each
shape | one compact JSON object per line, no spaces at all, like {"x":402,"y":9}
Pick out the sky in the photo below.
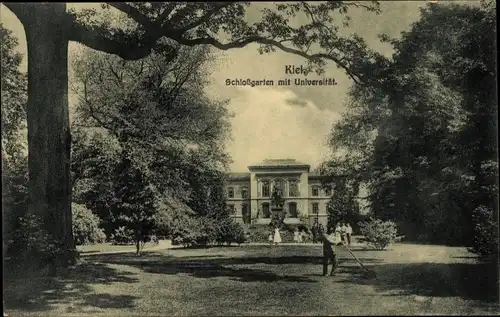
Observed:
{"x":280,"y":122}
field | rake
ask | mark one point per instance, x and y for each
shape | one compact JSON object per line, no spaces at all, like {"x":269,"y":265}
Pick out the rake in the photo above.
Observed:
{"x":369,"y":274}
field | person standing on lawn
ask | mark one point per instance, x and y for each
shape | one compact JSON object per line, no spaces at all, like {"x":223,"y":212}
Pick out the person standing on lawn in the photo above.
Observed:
{"x":301,"y":236}
{"x":314,"y":233}
{"x":338,"y":229}
{"x":343,"y":231}
{"x":277,"y":236}
{"x":296,"y":235}
{"x":329,"y":254}
{"x":270,"y":238}
{"x":348,"y":234}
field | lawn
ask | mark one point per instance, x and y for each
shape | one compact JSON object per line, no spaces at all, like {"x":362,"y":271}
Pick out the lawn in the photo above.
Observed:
{"x":260,"y":280}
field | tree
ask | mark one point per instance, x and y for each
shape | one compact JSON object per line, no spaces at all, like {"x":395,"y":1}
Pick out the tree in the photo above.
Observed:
{"x":49,"y":28}
{"x":423,"y":137}
{"x":14,"y":96}
{"x":14,"y":163}
{"x":342,"y":206}
{"x":158,"y":139}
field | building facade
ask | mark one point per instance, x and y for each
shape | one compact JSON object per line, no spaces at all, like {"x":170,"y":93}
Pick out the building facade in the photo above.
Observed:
{"x":305,"y":201}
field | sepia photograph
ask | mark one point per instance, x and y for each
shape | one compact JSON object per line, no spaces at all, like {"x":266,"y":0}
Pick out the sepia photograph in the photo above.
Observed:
{"x":312,"y":158}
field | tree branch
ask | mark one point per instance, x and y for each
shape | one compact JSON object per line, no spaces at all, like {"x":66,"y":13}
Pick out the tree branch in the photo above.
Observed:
{"x":21,"y":10}
{"x":137,"y":47}
{"x":164,"y":15}
{"x":265,"y":41}
{"x":205,"y":17}
{"x":102,"y":40}
{"x":135,"y":14}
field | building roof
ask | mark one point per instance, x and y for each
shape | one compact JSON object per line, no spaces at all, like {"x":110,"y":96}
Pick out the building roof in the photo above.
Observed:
{"x":279,"y":163}
{"x":239,"y":176}
{"x":318,"y":175}
{"x":246,"y":176}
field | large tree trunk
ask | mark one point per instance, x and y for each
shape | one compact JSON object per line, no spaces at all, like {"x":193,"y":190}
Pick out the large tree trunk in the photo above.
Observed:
{"x":49,"y":137}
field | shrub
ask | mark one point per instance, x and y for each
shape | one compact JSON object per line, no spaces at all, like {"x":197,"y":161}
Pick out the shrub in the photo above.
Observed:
{"x":122,"y":235}
{"x":228,"y":231}
{"x":378,"y":233}
{"x":255,"y":235}
{"x":202,"y":231}
{"x":86,"y":226}
{"x":31,"y":247}
{"x":190,"y":231}
{"x":485,"y":241}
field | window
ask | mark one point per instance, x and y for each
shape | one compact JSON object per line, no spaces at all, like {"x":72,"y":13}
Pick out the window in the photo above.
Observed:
{"x":315,"y":208}
{"x":292,"y":209}
{"x":265,"y":189}
{"x":328,"y":192}
{"x":293,"y":189}
{"x":244,"y":192}
{"x":265,"y":210}
{"x":231,"y":208}
{"x":315,"y":191}
{"x":230,"y":192}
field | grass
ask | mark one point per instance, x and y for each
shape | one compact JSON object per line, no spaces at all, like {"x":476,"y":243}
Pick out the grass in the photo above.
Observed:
{"x":260,"y":280}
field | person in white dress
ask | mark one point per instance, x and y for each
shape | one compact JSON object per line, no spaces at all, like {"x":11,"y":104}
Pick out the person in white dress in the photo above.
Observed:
{"x":338,"y":233}
{"x":296,"y":235}
{"x":270,"y":238}
{"x":277,"y":236}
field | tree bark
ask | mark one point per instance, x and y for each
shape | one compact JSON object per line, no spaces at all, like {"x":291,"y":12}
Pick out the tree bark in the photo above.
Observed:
{"x":49,"y":136}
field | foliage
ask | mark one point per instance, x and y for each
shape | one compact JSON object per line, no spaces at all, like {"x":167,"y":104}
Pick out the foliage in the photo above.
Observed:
{"x":148,"y":140}
{"x":423,"y":136}
{"x":153,"y":27}
{"x":342,"y":206}
{"x":122,"y":235}
{"x":24,"y":242}
{"x":86,"y":226}
{"x":14,"y":93}
{"x":485,"y":232}
{"x":378,"y":233}
{"x":30,"y":247}
{"x":229,"y":231}
{"x":191,"y":231}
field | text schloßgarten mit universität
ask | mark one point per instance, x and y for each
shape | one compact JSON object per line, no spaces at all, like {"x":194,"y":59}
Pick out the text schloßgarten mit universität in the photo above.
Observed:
{"x":282,"y":82}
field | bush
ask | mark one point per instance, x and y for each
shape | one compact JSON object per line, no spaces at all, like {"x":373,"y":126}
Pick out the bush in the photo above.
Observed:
{"x":122,"y":235}
{"x":378,"y":233}
{"x":202,"y":231}
{"x":228,"y":231}
{"x":31,"y":247}
{"x":485,"y":241}
{"x":191,"y":231}
{"x":86,"y":226}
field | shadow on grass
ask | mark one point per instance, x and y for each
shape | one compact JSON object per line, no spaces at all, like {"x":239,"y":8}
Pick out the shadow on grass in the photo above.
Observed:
{"x":216,"y":266}
{"x":477,"y":281}
{"x":37,"y":292}
{"x":203,"y":267}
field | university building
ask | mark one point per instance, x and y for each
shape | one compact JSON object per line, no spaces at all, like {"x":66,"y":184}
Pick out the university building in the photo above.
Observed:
{"x":249,"y":194}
